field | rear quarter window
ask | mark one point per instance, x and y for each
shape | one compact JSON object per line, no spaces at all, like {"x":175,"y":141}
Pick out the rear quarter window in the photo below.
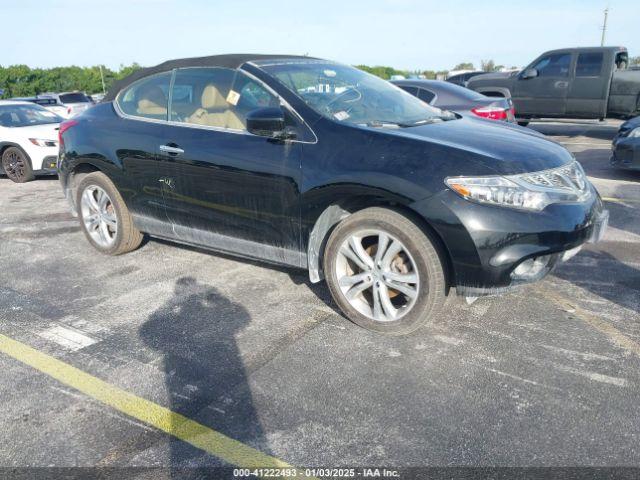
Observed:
{"x":426,"y":95}
{"x":589,"y":64}
{"x":412,"y":90}
{"x":146,"y":98}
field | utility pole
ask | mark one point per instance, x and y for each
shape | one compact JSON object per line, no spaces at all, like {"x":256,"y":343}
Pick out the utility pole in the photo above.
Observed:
{"x":604,"y":26}
{"x":102,"y":78}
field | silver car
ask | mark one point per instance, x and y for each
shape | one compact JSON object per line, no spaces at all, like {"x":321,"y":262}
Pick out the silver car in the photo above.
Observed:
{"x":455,"y":98}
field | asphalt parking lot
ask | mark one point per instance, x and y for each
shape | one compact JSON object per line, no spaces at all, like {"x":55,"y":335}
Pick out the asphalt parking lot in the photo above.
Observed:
{"x":548,"y":375}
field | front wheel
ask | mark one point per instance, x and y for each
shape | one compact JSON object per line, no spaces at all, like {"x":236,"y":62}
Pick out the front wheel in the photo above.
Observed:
{"x":384,"y":272}
{"x":104,"y":217}
{"x":17,"y":165}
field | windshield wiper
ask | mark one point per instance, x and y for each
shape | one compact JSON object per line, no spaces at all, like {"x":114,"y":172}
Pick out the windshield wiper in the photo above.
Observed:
{"x":382,"y":123}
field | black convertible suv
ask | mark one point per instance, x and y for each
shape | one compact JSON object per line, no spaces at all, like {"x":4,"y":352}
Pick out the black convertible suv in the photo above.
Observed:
{"x":318,"y":165}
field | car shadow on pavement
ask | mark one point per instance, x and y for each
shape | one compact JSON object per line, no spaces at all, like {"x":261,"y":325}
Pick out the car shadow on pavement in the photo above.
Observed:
{"x":611,"y":279}
{"x":297,"y":275}
{"x":624,"y":217}
{"x":195,"y":331}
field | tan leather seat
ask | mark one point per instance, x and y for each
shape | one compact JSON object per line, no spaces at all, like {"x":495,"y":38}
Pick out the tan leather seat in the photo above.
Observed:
{"x":152,"y":101}
{"x":215,"y":111}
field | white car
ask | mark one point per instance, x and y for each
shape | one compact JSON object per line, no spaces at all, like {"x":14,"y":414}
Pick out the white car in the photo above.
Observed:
{"x":73,"y":102}
{"x":28,"y":140}
{"x":52,"y":105}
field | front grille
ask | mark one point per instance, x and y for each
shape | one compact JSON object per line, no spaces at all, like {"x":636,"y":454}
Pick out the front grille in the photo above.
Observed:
{"x":569,"y":177}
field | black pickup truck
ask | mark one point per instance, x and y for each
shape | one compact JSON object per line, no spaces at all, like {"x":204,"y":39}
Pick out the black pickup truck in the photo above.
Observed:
{"x":569,"y":83}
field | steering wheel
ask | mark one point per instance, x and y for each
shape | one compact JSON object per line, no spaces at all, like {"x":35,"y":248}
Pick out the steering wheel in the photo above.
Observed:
{"x":340,"y":96}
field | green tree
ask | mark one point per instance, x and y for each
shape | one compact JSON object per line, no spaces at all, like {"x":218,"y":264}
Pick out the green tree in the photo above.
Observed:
{"x":634,"y":60}
{"x":22,"y":81}
{"x":383,"y":72}
{"x":487,"y":65}
{"x":464,"y":66}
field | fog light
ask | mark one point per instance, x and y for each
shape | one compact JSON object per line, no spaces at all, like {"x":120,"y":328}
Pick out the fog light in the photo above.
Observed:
{"x":531,"y":268}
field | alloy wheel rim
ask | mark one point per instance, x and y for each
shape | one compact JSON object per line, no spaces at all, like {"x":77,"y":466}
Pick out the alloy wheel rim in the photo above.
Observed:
{"x":377,"y":275}
{"x":99,"y":216}
{"x":14,"y":165}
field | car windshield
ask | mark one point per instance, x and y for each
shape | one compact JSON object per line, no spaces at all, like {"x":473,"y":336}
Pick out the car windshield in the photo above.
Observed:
{"x":349,"y":95}
{"x":26,"y":116}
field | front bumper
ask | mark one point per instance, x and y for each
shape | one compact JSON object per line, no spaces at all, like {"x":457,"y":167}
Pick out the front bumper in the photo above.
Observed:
{"x":487,"y":244}
{"x":626,"y":153}
{"x":49,"y":165}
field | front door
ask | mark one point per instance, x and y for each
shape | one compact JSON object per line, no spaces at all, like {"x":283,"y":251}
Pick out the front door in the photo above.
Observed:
{"x":546,"y":93}
{"x":223,"y":187}
{"x":138,"y":135}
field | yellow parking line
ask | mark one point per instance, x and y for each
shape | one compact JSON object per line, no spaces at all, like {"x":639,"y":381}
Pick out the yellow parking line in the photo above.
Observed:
{"x":190,"y":431}
{"x":596,"y":322}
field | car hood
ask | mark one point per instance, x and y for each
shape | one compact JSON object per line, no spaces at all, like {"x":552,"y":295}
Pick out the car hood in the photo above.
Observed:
{"x":45,"y":132}
{"x":503,"y":148}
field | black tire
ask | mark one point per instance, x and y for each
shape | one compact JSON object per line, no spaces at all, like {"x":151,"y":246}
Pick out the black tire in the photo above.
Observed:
{"x":17,"y":165}
{"x":523,"y":123}
{"x":127,"y":237}
{"x":426,"y":256}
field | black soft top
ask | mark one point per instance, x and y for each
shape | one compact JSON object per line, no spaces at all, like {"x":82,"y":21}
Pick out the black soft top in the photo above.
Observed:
{"x":224,"y":61}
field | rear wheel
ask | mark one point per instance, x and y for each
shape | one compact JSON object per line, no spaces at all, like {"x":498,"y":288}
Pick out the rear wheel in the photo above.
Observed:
{"x":17,"y":165}
{"x":384,"y":272}
{"x":104,"y":217}
{"x":523,"y":123}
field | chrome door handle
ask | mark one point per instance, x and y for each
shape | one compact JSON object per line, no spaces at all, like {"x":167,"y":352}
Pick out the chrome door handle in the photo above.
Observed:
{"x":171,"y":150}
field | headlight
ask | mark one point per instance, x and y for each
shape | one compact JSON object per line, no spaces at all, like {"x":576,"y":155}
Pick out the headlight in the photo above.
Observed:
{"x":635,"y":133}
{"x":528,"y":191}
{"x":43,"y":143}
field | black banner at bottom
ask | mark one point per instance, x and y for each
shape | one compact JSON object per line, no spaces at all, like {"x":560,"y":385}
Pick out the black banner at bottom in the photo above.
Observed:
{"x":323,"y":473}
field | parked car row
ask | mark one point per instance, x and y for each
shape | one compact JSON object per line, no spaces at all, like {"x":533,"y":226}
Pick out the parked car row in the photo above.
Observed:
{"x":65,"y":105}
{"x":590,"y":83}
{"x":316,"y":165}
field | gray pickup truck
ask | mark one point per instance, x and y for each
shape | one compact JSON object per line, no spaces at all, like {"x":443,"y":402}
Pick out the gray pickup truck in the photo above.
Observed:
{"x":569,"y":83}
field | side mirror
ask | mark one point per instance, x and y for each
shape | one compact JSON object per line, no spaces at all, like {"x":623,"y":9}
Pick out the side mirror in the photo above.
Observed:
{"x":529,"y":73}
{"x":268,"y":122}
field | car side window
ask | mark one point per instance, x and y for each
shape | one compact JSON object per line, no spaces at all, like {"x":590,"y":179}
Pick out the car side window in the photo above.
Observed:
{"x":622,"y":60}
{"x":146,"y":98}
{"x":412,"y":90}
{"x":589,"y":64}
{"x":216,"y":97}
{"x":556,"y":65}
{"x":426,"y":95}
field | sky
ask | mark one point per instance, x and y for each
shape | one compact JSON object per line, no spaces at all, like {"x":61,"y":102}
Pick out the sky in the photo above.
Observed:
{"x":405,"y":34}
